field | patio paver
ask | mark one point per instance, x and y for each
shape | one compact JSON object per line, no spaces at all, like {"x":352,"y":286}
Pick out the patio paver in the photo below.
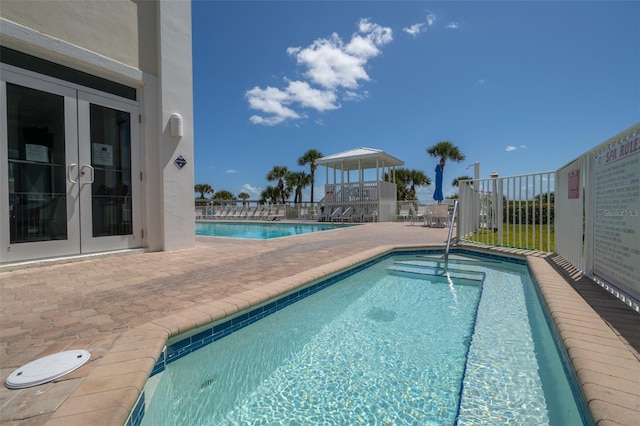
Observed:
{"x":123,"y":308}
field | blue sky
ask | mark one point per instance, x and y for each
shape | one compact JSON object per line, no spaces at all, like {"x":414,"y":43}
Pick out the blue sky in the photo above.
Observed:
{"x":520,"y":87}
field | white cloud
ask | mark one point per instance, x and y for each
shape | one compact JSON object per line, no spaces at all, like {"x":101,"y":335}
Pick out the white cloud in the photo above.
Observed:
{"x":523,"y":146}
{"x":481,"y":82}
{"x":330,"y":64}
{"x":271,"y":101}
{"x":307,"y":96}
{"x":350,"y":95}
{"x":452,"y":25}
{"x":333,"y":64}
{"x":414,"y":29}
{"x":250,"y":189}
{"x":421,"y":27}
{"x":510,"y":148}
{"x":231,"y":171}
{"x":431,"y":18}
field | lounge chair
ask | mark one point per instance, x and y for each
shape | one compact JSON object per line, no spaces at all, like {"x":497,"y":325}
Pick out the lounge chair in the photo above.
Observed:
{"x":230,"y":213}
{"x":335,"y":214}
{"x":312,"y":212}
{"x":219,"y":213}
{"x":264,"y":212}
{"x":276,"y":214}
{"x":308,"y":213}
{"x":303,"y":214}
{"x":251,"y":214}
{"x":239,"y":213}
{"x":347,"y":215}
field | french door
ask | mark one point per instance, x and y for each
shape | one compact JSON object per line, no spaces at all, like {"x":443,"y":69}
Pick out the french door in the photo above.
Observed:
{"x":71,"y":158}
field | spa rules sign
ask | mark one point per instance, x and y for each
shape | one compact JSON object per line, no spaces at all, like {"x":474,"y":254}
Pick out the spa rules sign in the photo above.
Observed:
{"x":617,"y":220}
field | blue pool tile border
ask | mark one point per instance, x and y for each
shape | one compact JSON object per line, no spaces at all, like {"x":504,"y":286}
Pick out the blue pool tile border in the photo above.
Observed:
{"x":567,"y":365}
{"x":178,"y":349}
{"x":135,"y":418}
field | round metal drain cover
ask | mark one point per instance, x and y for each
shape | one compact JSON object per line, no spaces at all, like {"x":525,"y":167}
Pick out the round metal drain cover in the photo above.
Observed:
{"x":48,"y":368}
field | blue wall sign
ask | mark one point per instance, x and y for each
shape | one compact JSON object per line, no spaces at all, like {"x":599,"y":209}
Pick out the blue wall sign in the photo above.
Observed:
{"x":180,"y":161}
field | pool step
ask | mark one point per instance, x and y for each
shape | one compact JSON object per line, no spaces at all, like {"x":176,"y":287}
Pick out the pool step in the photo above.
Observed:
{"x":456,"y":258}
{"x":459,"y":276}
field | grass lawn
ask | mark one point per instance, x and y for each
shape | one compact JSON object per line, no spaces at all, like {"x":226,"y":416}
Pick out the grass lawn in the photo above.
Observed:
{"x":519,"y":236}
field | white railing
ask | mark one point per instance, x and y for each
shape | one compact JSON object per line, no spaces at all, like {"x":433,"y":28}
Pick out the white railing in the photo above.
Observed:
{"x":588,"y":212}
{"x":371,"y":200}
{"x":514,"y":211}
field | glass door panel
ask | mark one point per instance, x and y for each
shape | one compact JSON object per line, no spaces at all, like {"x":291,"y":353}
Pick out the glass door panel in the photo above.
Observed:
{"x":38,"y":171}
{"x":109,"y":170}
{"x":36,"y":165}
{"x":111,"y":164}
{"x":69,"y":170}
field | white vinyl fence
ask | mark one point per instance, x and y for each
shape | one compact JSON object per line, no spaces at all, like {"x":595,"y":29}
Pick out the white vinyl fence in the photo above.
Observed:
{"x":588,"y":212}
{"x":514,"y":211}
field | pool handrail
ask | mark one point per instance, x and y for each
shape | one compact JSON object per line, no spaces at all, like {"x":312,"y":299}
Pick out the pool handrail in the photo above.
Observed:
{"x":451,"y":222}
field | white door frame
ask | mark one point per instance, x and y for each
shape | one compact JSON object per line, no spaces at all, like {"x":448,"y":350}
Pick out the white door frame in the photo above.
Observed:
{"x":80,"y":239}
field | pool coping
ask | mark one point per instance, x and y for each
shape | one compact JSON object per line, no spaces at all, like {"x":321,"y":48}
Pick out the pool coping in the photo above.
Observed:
{"x":110,"y":392}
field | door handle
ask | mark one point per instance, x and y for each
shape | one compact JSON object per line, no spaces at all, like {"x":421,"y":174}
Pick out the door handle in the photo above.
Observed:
{"x":69,"y":169}
{"x":82,"y":172}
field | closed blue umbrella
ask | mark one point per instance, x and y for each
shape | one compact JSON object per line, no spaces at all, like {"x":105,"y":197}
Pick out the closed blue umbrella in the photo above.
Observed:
{"x":437,"y":194}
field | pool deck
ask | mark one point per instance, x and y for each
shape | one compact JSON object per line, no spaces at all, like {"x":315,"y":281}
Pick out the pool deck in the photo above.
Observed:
{"x":123,"y":308}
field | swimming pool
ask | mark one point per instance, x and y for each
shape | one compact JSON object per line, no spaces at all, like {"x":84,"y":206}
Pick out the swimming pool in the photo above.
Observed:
{"x":396,"y":342}
{"x":260,"y":231}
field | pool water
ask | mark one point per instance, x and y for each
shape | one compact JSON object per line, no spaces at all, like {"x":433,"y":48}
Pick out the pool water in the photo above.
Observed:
{"x":260,"y":231}
{"x":400,"y":342}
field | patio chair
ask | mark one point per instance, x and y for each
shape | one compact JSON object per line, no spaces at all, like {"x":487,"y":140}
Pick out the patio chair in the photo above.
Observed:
{"x":439,"y":216}
{"x":419,"y":215}
{"x":405,"y":212}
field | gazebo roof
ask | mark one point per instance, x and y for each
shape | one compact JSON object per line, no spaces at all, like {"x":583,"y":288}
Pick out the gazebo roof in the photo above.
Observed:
{"x":359,"y":159}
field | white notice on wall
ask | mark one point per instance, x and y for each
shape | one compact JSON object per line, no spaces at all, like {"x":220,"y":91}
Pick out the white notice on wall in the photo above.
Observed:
{"x":37,"y":153}
{"x":617,"y":220}
{"x":102,"y":154}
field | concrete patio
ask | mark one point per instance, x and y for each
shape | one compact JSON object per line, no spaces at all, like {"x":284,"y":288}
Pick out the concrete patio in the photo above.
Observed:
{"x":123,"y":307}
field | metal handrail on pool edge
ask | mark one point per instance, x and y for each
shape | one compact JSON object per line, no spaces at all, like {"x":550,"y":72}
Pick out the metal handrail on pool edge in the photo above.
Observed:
{"x":453,"y":218}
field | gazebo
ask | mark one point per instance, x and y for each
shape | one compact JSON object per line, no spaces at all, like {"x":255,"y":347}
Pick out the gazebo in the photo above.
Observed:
{"x":372,"y":199}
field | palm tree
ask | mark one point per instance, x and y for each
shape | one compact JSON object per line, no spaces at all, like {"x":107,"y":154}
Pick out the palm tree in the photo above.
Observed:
{"x":416,"y":178}
{"x":456,"y":181}
{"x":270,"y":194}
{"x":299,"y":181}
{"x":310,"y":158}
{"x":223,"y":195}
{"x":402,"y":183}
{"x":244,"y":197}
{"x":279,"y":173}
{"x":406,"y":182}
{"x":446,"y":151}
{"x":203,"y":188}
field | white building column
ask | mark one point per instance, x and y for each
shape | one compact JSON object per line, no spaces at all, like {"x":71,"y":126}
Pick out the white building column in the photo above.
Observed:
{"x":176,"y":97}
